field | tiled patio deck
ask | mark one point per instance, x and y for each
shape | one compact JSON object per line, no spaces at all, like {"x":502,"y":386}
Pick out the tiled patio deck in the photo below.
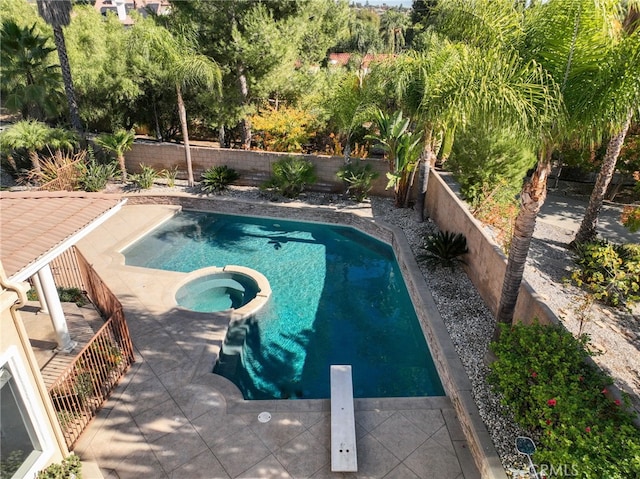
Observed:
{"x":171,"y":417}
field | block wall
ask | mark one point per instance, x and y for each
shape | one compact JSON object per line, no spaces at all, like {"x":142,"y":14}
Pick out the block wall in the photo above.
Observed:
{"x":255,"y":167}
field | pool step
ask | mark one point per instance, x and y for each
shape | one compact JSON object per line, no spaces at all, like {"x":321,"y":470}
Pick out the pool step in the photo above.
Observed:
{"x":344,"y":457}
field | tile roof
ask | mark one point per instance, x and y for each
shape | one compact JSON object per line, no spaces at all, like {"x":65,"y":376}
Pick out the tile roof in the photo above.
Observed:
{"x":33,"y":223}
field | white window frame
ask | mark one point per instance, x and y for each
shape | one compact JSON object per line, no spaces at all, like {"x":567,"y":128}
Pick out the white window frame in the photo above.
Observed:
{"x":11,"y":359}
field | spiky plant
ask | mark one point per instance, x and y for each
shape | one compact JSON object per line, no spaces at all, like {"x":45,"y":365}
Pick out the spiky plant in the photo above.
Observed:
{"x":218,"y":178}
{"x":445,"y":249}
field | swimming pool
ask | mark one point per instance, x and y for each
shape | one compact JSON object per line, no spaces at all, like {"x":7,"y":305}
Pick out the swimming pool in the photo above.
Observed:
{"x":337,"y":297}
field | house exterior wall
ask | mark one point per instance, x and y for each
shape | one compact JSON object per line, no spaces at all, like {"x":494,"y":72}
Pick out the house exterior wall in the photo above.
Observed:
{"x":15,"y":351}
{"x":255,"y":167}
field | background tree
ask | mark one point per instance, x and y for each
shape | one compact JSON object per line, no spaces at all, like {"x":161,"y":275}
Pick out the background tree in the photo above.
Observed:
{"x":111,"y":82}
{"x":258,"y":43}
{"x":364,"y":34}
{"x":616,"y":102}
{"x":57,"y":13}
{"x":422,"y":11}
{"x":30,"y":82}
{"x":394,"y":25}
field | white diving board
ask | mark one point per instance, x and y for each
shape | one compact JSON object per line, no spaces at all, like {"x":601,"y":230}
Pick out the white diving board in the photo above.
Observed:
{"x":343,"y":424}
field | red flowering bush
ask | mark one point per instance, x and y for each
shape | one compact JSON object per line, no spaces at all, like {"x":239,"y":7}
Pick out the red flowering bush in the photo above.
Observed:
{"x":544,"y":378}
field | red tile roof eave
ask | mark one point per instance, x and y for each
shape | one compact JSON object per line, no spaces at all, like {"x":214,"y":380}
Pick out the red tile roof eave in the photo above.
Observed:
{"x":27,"y":243}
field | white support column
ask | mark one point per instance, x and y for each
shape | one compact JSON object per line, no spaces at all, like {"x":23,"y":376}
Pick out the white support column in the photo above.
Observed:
{"x":38,"y":285}
{"x":65,"y":344}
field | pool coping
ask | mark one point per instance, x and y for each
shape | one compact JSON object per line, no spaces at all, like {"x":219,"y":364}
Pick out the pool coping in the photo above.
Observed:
{"x":452,"y":373}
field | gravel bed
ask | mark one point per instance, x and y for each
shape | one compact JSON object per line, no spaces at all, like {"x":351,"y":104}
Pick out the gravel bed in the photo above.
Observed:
{"x":470,"y":325}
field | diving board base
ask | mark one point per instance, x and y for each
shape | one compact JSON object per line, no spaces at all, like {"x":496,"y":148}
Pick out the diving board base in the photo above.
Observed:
{"x":344,"y":457}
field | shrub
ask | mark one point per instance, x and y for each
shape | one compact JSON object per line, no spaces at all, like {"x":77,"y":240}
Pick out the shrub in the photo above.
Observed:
{"x":284,"y":129}
{"x":482,"y":160}
{"x":291,"y":176}
{"x":170,"y":176}
{"x":144,"y":180}
{"x":631,"y":218}
{"x":444,"y":249}
{"x":218,"y":178}
{"x":60,"y":171}
{"x":72,"y":295}
{"x":610,"y":272}
{"x":70,"y":468}
{"x":498,"y":207}
{"x":66,"y":295}
{"x":358,"y":178}
{"x":96,"y":175}
{"x":543,"y":377}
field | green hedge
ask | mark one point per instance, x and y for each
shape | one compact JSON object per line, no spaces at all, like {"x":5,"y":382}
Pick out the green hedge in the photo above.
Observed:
{"x":542,"y":375}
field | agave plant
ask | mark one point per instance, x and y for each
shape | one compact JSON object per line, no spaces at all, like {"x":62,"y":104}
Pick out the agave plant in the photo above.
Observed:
{"x":145,"y":178}
{"x":445,"y":249}
{"x":218,"y":178}
{"x":291,"y":176}
{"x":358,"y":180}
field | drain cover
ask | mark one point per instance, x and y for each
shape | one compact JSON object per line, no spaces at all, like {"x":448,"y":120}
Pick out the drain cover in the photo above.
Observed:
{"x":264,"y":417}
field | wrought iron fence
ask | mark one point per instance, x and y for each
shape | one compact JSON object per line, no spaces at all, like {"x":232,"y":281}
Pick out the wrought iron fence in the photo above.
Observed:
{"x":66,"y":271}
{"x":82,"y":388}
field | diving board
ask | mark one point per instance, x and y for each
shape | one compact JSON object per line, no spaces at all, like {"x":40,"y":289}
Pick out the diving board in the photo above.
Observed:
{"x":343,"y":424}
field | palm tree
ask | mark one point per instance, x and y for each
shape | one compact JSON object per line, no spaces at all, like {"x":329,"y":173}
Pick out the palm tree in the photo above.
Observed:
{"x":620,"y":87}
{"x":351,"y":104}
{"x":33,"y":136}
{"x":183,"y":67}
{"x":57,"y":13}
{"x":118,"y":142}
{"x":32,"y":84}
{"x":453,"y":84}
{"x":571,"y":39}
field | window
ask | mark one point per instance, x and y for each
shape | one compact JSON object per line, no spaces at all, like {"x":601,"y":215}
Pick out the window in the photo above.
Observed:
{"x":23,"y":447}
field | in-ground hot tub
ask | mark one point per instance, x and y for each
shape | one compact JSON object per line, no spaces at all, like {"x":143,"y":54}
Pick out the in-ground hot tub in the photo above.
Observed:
{"x":212,"y":290}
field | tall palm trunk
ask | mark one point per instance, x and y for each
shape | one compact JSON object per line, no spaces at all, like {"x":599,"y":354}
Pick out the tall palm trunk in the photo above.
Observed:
{"x":58,"y":14}
{"x":532,"y":197}
{"x":587,"y":231}
{"x":245,"y":123}
{"x":182,"y":113}
{"x":58,"y":37}
{"x":408,"y":187}
{"x":123,"y":167}
{"x":425,"y":163}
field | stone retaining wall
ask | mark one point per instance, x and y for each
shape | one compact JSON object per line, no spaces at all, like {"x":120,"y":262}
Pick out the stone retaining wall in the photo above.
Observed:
{"x":255,"y":167}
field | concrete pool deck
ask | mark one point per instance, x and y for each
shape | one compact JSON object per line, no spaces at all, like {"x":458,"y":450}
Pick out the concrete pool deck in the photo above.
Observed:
{"x":171,"y":417}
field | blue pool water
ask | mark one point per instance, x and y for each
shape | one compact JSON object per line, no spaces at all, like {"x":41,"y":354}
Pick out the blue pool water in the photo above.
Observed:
{"x":338,"y":297}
